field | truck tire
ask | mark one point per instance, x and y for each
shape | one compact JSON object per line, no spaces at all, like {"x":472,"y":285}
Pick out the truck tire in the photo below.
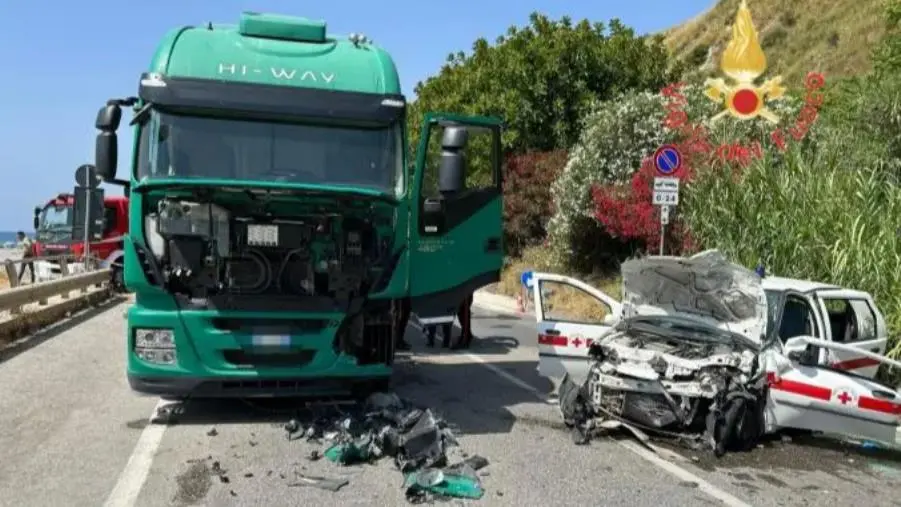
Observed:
{"x":117,"y":280}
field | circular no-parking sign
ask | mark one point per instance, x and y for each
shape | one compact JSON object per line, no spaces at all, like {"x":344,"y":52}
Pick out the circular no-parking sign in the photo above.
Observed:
{"x":667,"y":159}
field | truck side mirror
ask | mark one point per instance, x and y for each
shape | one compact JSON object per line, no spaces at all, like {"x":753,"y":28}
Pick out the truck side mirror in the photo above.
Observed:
{"x":452,"y":169}
{"x":37,"y":217}
{"x":106,"y":150}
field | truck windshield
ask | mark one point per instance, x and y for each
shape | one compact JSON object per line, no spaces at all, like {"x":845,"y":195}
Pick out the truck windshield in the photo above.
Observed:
{"x":56,"y":217}
{"x":202,"y":147}
{"x":55,"y":223}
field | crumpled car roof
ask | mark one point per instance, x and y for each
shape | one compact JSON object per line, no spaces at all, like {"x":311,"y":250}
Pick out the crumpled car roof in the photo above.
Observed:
{"x":706,"y":287}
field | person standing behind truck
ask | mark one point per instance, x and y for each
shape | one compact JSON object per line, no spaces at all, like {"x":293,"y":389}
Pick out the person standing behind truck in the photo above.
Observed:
{"x":27,"y":253}
{"x":464,"y":316}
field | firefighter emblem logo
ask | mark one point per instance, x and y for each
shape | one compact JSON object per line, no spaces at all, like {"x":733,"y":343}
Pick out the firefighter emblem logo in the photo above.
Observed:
{"x":743,"y":62}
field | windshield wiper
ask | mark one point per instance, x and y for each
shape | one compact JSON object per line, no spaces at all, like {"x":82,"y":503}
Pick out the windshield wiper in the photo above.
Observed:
{"x":156,"y":184}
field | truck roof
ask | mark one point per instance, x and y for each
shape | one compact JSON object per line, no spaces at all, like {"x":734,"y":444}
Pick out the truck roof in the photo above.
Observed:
{"x":276,"y":50}
{"x":68,"y":198}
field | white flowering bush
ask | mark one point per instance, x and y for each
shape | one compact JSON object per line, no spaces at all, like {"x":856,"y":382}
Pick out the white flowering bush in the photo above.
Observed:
{"x":617,"y":136}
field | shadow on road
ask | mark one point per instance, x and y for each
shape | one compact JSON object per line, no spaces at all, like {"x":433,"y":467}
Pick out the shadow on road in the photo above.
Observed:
{"x":472,"y":398}
{"x":26,"y":343}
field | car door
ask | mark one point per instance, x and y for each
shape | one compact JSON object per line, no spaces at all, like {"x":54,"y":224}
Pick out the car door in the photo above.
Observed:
{"x":853,"y":319}
{"x":463,"y":251}
{"x":799,"y":317}
{"x":570,"y":316}
{"x":805,"y":395}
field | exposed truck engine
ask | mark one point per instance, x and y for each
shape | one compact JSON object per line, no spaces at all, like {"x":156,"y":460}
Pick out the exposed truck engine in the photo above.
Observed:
{"x":278,"y":241}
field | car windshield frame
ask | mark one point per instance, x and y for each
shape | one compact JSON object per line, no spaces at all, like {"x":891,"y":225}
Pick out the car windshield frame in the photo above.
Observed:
{"x":351,"y":155}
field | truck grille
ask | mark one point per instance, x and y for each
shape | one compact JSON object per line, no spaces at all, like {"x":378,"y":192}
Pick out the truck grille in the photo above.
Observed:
{"x":263,"y":359}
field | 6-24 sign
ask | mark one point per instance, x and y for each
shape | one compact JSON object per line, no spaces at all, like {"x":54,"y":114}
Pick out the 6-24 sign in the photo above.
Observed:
{"x":666,"y":191}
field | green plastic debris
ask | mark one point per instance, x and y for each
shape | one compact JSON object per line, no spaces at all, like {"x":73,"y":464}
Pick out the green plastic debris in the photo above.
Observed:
{"x":431,"y":481}
{"x":352,"y":452}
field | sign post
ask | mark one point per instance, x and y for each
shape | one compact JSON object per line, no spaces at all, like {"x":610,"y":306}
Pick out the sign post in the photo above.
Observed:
{"x":667,"y":160}
{"x":86,"y":178}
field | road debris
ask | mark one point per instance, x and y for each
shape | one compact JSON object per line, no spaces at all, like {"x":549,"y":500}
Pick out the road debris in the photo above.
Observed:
{"x":387,"y":426}
{"x":320,"y":482}
{"x":212,"y":433}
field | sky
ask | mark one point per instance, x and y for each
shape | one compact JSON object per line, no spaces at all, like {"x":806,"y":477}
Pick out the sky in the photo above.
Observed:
{"x":62,"y":60}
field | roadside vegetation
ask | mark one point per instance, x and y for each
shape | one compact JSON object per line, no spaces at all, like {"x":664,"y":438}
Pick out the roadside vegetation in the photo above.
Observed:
{"x":578,"y":174}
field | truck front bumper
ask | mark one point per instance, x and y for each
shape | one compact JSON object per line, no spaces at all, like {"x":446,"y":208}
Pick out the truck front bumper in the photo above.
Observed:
{"x":218,"y":387}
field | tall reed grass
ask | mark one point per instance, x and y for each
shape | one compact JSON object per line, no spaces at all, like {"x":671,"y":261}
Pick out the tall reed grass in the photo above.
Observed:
{"x":807,"y":215}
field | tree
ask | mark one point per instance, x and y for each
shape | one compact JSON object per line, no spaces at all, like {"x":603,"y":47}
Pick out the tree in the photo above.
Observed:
{"x":541,"y":79}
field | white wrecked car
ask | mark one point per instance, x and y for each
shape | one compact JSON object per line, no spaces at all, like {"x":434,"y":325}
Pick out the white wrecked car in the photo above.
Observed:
{"x":706,"y":349}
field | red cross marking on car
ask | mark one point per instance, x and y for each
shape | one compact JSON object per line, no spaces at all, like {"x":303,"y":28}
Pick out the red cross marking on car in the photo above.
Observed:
{"x":577,"y":342}
{"x":844,"y":397}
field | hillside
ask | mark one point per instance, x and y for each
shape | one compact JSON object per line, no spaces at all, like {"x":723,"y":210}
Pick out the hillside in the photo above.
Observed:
{"x":830,"y":36}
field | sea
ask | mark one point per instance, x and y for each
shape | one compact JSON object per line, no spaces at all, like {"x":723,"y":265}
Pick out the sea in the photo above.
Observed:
{"x":6,"y":237}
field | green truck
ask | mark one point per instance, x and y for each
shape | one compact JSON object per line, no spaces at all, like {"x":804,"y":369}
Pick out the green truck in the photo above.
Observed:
{"x":279,"y":237}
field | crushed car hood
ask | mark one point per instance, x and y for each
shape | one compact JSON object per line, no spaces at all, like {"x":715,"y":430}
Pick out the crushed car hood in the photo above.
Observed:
{"x":705,"y":287}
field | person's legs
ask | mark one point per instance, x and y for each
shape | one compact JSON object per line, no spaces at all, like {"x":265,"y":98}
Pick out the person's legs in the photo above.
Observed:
{"x":448,"y":331}
{"x":430,"y":335}
{"x":404,"y":311}
{"x":31,"y":271}
{"x":464,"y":314}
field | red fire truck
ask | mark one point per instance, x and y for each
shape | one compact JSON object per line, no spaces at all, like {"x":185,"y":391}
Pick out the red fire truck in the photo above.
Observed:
{"x":53,"y":223}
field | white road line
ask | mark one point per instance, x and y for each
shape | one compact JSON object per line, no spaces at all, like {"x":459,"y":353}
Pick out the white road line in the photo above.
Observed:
{"x":683,"y":474}
{"x":667,"y":466}
{"x":132,"y":478}
{"x":509,"y":377}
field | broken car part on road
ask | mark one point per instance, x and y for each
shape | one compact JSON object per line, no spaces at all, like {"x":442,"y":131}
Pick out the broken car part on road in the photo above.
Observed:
{"x":385,"y":425}
{"x":698,"y":351}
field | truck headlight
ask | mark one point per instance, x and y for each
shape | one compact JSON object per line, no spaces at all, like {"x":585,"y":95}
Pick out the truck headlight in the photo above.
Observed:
{"x":155,"y":345}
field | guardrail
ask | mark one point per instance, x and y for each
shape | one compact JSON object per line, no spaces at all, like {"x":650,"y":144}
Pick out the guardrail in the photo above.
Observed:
{"x":25,"y":308}
{"x":64,"y":262}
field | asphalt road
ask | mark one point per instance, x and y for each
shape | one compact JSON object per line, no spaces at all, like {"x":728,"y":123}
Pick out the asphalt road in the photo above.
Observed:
{"x":73,"y":434}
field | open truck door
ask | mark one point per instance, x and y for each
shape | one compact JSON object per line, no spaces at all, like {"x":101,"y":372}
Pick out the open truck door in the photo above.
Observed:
{"x":805,"y":394}
{"x":571,"y":315}
{"x":456,"y":243}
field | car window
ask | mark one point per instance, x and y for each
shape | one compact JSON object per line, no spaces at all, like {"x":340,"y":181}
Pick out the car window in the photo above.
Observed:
{"x":561,"y":302}
{"x":773,"y":305}
{"x":850,"y":320}
{"x":797,"y":319}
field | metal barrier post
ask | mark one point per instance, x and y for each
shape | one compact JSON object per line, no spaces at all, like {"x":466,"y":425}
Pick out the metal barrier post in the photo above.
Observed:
{"x":64,"y":272}
{"x":13,"y":278}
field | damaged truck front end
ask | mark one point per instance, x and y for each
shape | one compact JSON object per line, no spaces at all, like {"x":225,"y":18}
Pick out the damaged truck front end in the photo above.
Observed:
{"x":274,"y":226}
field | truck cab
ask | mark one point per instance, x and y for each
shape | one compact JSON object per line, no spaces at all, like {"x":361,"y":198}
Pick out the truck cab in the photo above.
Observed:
{"x":55,"y":234}
{"x":277,"y":241}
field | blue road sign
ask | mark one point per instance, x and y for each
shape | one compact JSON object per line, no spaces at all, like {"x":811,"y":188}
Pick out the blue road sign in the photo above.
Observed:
{"x":526,"y":279}
{"x":667,"y":159}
